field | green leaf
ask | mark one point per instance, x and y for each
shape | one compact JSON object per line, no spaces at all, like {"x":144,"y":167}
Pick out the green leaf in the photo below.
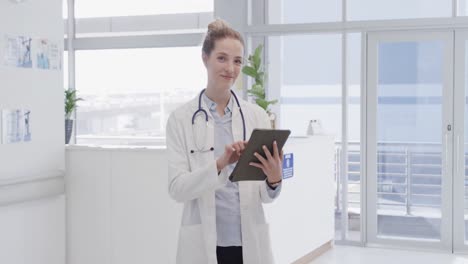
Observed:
{"x":258,"y":90}
{"x":258,"y":51}
{"x":272,"y":102}
{"x":257,"y":57}
{"x":261,"y":76}
{"x":256,"y":71}
{"x":70,"y":102}
{"x":259,"y":80}
{"x":262,"y":103}
{"x":249,"y":71}
{"x":255,"y":94}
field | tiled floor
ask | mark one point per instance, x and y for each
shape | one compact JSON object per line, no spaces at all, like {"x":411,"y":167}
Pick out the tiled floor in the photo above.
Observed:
{"x":361,"y":255}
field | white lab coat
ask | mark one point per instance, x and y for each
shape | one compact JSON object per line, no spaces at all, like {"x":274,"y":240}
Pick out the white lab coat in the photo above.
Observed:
{"x":193,"y":179}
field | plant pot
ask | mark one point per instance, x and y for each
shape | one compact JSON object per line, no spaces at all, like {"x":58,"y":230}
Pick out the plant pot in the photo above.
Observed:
{"x":68,"y":130}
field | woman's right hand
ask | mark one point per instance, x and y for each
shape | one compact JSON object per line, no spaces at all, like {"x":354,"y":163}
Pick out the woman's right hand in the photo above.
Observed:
{"x":231,"y":154}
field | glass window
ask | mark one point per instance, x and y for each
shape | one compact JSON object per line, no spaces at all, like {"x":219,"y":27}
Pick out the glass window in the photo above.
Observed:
{"x":397,"y":9}
{"x":310,"y":81}
{"x":462,"y":8}
{"x":108,"y":8}
{"x":299,"y":11}
{"x":129,"y":93}
{"x":353,"y":69}
{"x":65,"y":9}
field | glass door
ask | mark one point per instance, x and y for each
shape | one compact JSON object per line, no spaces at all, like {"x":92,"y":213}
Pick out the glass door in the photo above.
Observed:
{"x":410,"y":135}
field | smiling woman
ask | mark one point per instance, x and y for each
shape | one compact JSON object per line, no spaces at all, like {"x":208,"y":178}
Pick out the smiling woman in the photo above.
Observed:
{"x":214,"y":228}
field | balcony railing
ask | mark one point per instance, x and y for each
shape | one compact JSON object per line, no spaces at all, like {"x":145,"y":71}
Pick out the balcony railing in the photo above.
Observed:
{"x":409,"y":175}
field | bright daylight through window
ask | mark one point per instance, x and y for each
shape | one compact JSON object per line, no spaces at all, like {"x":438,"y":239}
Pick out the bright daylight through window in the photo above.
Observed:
{"x":129,"y":93}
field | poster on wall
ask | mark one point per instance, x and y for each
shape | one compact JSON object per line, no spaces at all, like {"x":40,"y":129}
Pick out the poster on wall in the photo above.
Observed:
{"x":47,"y":54}
{"x":16,"y":126}
{"x":17,"y":51}
{"x":42,"y":54}
{"x":55,"y":56}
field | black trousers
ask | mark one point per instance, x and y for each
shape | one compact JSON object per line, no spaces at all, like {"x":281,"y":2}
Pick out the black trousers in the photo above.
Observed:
{"x":229,"y":255}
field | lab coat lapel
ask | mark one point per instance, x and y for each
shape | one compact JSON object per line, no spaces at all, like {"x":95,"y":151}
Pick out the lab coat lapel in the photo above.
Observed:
{"x":206,"y":202}
{"x":236,"y":125}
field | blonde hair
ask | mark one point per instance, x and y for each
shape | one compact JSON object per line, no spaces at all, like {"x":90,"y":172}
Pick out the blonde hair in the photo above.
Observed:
{"x":219,"y":29}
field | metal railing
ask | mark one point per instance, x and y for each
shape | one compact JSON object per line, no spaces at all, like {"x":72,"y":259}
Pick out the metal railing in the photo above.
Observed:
{"x":408,"y":175}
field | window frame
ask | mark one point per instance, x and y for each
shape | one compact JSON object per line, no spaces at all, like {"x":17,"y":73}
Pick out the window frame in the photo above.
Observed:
{"x":132,"y":32}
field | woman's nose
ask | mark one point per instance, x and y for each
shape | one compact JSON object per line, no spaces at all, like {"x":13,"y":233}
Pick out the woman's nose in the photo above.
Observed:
{"x":229,"y":67}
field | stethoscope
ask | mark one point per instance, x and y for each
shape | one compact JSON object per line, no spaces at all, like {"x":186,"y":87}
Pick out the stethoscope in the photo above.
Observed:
{"x":201,"y":110}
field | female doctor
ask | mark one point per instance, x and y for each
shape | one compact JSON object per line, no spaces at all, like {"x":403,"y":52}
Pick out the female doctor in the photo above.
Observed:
{"x":222,"y":222}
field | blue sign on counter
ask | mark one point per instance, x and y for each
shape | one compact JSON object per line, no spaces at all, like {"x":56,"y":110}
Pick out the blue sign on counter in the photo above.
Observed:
{"x":288,"y":165}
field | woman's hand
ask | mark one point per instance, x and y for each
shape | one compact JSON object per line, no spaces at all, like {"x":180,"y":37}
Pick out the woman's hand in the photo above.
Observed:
{"x":272,"y":166}
{"x":231,"y":154}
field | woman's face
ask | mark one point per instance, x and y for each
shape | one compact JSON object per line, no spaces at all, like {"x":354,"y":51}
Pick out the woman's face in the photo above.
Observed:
{"x":224,"y":63}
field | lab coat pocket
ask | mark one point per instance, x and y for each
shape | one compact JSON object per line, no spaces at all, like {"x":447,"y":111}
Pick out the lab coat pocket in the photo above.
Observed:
{"x":266,"y":253}
{"x":191,"y":248}
{"x":200,"y":159}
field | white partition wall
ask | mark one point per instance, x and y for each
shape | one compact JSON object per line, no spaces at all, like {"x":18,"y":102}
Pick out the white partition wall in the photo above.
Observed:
{"x":33,"y":232}
{"x":119,"y":209}
{"x":302,"y":219}
{"x":32,"y":204}
{"x":38,"y":28}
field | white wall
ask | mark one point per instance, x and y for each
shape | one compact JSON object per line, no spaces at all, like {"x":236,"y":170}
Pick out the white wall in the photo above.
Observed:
{"x":32,"y":204}
{"x":119,"y":209}
{"x":302,"y":218}
{"x":40,"y":91}
{"x":33,"y":232}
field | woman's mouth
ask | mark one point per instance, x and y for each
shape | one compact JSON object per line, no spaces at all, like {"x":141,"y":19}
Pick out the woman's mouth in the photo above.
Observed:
{"x":227,"y":77}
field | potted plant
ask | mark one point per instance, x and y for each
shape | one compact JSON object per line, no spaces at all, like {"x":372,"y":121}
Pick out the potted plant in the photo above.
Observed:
{"x":255,"y":69}
{"x":70,"y":106}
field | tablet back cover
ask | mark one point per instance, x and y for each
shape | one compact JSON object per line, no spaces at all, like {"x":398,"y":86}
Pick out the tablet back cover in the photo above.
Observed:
{"x":245,"y":172}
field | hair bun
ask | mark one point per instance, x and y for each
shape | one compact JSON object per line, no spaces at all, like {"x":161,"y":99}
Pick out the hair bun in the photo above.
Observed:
{"x":219,"y":29}
{"x":218,"y":24}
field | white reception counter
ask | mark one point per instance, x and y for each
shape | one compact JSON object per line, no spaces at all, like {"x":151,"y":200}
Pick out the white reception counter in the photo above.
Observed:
{"x":119,"y":211}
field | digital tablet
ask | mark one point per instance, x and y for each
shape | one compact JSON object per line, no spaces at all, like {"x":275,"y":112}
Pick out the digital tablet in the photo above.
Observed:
{"x":260,"y":137}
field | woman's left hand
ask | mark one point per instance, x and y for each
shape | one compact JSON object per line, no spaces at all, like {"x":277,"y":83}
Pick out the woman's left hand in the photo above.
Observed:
{"x":272,"y":165}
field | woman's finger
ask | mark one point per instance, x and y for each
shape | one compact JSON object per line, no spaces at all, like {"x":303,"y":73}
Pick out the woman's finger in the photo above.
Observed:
{"x":239,"y":148}
{"x":229,"y":149}
{"x":260,"y":158}
{"x":258,"y":165}
{"x":275,"y":150}
{"x":242,"y":145}
{"x":267,"y":152}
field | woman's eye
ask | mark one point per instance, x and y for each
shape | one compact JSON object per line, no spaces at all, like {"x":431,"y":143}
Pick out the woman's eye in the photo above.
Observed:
{"x":238,"y":62}
{"x":221,"y":58}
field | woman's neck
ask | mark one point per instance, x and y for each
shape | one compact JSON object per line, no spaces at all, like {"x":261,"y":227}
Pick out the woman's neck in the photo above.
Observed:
{"x":221,"y":98}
